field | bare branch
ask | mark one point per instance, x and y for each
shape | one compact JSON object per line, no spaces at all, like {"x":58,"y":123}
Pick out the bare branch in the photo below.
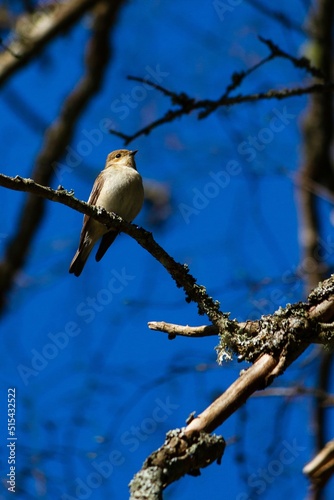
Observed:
{"x":206,"y":107}
{"x":180,"y":273}
{"x":158,"y":466}
{"x":185,"y":331}
{"x":256,"y":377}
{"x":23,"y":50}
{"x":317,"y":169}
{"x":272,"y":343}
{"x":268,"y":367}
{"x":188,"y":104}
{"x":277,"y":15}
{"x":252,"y":329}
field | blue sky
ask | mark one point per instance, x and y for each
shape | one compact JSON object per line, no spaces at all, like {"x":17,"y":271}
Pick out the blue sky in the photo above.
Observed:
{"x":103,"y":388}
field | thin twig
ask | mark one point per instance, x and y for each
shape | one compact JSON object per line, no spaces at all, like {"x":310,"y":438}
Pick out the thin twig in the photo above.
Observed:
{"x":301,"y":62}
{"x":251,"y":339}
{"x":265,"y":369}
{"x":206,"y":107}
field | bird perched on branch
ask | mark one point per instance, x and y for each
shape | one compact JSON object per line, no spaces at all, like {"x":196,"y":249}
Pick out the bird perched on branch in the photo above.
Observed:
{"x":118,"y":188}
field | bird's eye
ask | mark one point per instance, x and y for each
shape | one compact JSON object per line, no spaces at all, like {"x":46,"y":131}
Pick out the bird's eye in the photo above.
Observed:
{"x":118,"y":155}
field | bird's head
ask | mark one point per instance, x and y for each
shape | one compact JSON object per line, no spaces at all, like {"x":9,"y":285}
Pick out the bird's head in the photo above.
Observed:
{"x":121,"y":158}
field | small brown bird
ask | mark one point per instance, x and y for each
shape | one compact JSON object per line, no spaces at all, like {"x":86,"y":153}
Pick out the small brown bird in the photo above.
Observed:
{"x":118,"y":188}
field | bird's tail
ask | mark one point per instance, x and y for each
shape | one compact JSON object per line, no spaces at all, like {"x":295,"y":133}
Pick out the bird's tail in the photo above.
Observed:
{"x":79,"y":260}
{"x":107,"y":240}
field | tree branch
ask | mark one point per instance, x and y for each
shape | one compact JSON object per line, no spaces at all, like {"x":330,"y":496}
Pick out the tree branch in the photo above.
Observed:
{"x":206,"y":107}
{"x":277,"y":16}
{"x":271,"y":343}
{"x":301,"y":62}
{"x":180,"y":273}
{"x":317,"y":169}
{"x":292,"y":326}
{"x":179,"y":455}
{"x":23,"y":49}
{"x":185,"y":331}
{"x":261,"y":374}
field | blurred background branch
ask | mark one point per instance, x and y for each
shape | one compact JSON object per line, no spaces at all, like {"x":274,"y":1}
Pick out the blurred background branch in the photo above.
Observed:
{"x":317,"y":168}
{"x":36,"y":29}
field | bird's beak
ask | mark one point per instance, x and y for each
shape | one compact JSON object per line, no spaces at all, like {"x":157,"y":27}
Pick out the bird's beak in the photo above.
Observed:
{"x":132,"y":153}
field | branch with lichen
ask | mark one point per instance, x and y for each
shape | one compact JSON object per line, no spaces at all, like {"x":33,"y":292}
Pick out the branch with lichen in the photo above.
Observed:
{"x":280,"y":333}
{"x":179,"y":455}
{"x":275,"y":341}
{"x":276,"y":334}
{"x":205,"y":107}
{"x":179,"y":272}
{"x":271,"y":344}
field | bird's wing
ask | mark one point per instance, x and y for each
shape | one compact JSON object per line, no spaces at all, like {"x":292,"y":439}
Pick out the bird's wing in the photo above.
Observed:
{"x":93,"y":197}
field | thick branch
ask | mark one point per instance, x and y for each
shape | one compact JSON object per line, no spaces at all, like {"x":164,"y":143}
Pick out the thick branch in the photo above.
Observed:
{"x":255,"y":378}
{"x":263,"y":371}
{"x":22,"y":51}
{"x":323,"y":334}
{"x":179,"y":455}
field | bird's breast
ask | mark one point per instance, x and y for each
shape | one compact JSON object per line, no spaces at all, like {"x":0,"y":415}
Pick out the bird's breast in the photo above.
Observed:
{"x":122,"y":193}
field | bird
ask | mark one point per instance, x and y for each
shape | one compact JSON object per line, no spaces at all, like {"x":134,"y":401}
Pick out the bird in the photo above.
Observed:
{"x":118,"y":188}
